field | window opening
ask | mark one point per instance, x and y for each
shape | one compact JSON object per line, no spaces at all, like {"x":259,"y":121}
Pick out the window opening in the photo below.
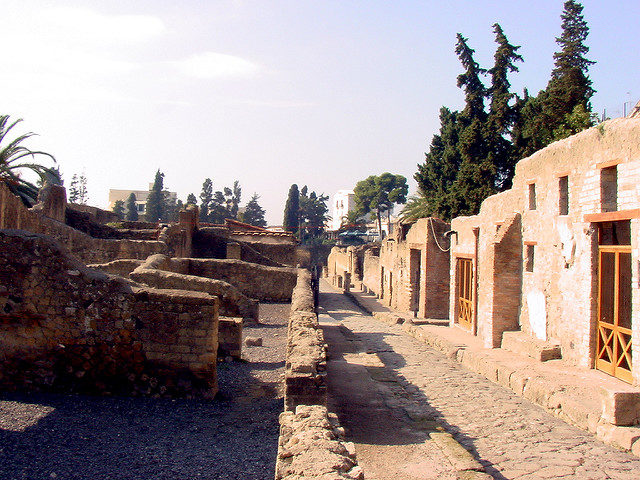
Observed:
{"x":532,"y":196}
{"x":563,"y":190}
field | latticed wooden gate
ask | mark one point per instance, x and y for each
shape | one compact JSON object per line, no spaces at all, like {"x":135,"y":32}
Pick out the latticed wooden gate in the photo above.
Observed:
{"x":465,"y":293}
{"x":613,"y":354}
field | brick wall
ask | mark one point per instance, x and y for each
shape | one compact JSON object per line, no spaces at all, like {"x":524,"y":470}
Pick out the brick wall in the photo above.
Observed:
{"x":558,"y":298}
{"x":64,"y":327}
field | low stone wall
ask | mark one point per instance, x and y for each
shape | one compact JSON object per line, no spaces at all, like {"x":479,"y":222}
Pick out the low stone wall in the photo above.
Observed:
{"x":306,"y":363}
{"x":65,"y":327}
{"x":13,"y":214}
{"x":312,"y":446}
{"x":311,"y":443}
{"x":160,"y":271}
{"x":122,"y":267}
{"x":230,"y":337}
{"x":266,"y":284}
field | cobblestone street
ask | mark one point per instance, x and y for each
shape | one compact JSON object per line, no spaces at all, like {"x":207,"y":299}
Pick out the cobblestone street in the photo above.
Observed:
{"x":512,"y":438}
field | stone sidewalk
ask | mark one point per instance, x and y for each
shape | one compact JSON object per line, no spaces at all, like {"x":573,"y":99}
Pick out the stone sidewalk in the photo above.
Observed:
{"x":586,"y":398}
{"x":508,"y":435}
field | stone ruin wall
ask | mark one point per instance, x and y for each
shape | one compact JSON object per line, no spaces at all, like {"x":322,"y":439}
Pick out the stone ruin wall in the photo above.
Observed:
{"x":371,"y":271}
{"x":558,"y":299}
{"x":311,"y":443}
{"x":64,"y":327}
{"x":14,"y":215}
{"x":160,"y":271}
{"x":402,"y":269}
{"x":263,"y":283}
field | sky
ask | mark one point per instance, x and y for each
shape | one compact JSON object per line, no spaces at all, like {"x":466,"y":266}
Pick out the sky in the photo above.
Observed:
{"x":271,"y":92}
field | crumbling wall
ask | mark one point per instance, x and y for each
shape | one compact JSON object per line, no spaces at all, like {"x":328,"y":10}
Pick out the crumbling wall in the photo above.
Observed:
{"x":371,"y":270}
{"x":65,"y":327}
{"x":266,"y":284}
{"x":312,"y":446}
{"x":311,"y":443}
{"x":160,"y":271}
{"x":562,"y":194}
{"x":14,"y":215}
{"x":306,"y":363}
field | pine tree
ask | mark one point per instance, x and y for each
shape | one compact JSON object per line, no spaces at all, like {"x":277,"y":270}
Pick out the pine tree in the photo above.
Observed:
{"x":73,"y":189}
{"x":118,"y":209}
{"x":205,"y":199}
{"x":191,"y":199}
{"x":291,"y":219}
{"x":253,"y":213}
{"x":502,"y":114}
{"x":156,"y":202}
{"x":132,"y":208}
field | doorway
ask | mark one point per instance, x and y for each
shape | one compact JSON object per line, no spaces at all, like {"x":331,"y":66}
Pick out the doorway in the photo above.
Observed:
{"x":613,"y":346}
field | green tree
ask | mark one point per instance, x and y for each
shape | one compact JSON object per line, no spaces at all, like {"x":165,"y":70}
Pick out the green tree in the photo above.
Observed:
{"x":12,"y":162}
{"x":191,"y":199}
{"x":312,"y":215}
{"x":291,"y":220}
{"x":132,"y":208}
{"x":232,"y":200}
{"x":156,"y":201}
{"x":118,"y":209}
{"x":563,"y":107}
{"x":206,"y":196}
{"x":253,"y":213}
{"x":475,"y":178}
{"x":437,"y":174}
{"x":502,"y":110}
{"x":78,"y":189}
{"x":379,"y":193}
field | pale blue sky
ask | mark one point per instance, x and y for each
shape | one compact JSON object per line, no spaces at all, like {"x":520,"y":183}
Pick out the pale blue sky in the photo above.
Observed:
{"x":271,"y":92}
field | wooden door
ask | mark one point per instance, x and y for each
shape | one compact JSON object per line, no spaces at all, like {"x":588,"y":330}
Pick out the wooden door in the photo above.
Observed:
{"x":465,"y":293}
{"x":613,"y":354}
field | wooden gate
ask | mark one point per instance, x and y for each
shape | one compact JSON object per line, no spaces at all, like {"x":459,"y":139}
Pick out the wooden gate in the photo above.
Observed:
{"x":465,"y":293}
{"x":613,"y":354}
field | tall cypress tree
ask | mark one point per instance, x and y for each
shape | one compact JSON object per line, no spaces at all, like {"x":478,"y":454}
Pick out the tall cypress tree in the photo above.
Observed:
{"x":132,"y":208}
{"x":156,"y":202}
{"x":502,"y":113}
{"x":206,"y":196}
{"x":569,"y":89}
{"x":475,"y":179}
{"x":291,"y":220}
{"x":436,"y":175}
{"x":563,"y":107}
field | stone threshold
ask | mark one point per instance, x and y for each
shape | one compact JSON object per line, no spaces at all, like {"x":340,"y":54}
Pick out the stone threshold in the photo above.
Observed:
{"x":585,"y":398}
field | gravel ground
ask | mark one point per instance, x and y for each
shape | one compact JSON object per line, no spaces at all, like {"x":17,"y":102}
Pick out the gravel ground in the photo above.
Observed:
{"x":46,"y":436}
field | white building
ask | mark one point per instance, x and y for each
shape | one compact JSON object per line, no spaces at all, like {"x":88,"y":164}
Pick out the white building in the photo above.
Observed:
{"x":141,"y":197}
{"x":343,"y":203}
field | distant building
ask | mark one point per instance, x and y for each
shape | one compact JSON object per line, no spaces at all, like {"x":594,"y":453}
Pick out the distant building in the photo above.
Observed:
{"x":343,"y":203}
{"x":141,"y":197}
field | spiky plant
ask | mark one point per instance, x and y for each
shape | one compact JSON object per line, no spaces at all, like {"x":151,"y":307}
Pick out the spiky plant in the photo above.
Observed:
{"x":12,"y":161}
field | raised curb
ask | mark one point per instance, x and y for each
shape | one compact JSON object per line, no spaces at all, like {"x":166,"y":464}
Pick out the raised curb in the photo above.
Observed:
{"x":536,"y":388}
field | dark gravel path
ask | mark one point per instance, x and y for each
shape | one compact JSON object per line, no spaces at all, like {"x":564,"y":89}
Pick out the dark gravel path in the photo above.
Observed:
{"x":78,"y":437}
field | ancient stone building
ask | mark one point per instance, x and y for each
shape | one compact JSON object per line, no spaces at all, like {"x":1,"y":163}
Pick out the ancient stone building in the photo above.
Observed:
{"x":558,"y":256}
{"x":409,"y":271}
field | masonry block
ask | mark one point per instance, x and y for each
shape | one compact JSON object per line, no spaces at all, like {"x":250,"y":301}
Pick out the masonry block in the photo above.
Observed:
{"x":620,"y":408}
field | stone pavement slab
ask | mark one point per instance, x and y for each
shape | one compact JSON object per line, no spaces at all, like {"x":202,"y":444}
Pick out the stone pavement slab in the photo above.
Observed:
{"x":510,"y":436}
{"x":586,"y":398}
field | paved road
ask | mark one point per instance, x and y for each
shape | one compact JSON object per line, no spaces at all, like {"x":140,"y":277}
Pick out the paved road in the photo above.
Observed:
{"x":513,"y":438}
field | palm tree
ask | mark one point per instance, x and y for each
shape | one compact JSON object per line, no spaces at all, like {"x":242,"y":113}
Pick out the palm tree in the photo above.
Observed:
{"x":12,"y":155}
{"x":417,"y":207}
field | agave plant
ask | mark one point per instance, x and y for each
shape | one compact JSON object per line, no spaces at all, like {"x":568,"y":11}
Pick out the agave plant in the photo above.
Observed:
{"x":12,"y":161}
